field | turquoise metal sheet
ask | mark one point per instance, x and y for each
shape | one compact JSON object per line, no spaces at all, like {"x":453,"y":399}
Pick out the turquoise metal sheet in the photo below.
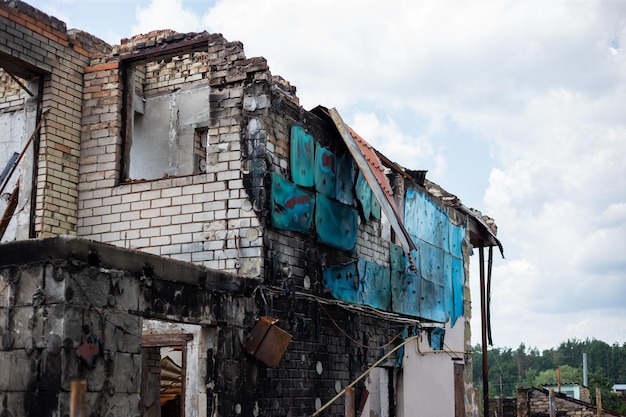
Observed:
{"x":458,"y":284}
{"x":325,"y":171}
{"x":292,"y":207}
{"x":406,"y":291}
{"x":436,"y":337}
{"x":344,"y":185}
{"x":375,"y":207}
{"x":336,"y":223}
{"x":364,"y":195}
{"x":431,"y":262}
{"x":342,"y":282}
{"x":396,"y":257}
{"x":302,"y":157}
{"x":375,"y":287}
{"x":432,"y":301}
{"x":456,"y":236}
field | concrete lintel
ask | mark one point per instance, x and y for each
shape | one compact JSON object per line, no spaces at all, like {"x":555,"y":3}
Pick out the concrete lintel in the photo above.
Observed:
{"x":113,"y":257}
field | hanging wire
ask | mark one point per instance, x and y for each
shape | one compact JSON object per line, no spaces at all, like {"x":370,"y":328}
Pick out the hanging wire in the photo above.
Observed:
{"x":356,"y":342}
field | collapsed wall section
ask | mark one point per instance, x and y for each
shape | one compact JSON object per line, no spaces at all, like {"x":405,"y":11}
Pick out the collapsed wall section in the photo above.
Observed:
{"x":75,"y":310}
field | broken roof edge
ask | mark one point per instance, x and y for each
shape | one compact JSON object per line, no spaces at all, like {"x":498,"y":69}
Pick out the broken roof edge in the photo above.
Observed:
{"x":481,"y":233}
{"x":386,"y":201}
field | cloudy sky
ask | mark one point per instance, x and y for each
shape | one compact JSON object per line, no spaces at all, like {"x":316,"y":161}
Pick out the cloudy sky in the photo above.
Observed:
{"x":516,"y":106}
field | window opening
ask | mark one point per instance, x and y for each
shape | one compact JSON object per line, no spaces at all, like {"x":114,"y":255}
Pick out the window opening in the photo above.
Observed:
{"x":166,"y":117}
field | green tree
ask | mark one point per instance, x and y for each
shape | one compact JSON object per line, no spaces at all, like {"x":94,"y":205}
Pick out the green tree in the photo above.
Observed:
{"x":569,"y":375}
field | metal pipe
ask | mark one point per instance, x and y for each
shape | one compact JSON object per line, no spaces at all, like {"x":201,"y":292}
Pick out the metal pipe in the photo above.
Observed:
{"x":585,"y":377}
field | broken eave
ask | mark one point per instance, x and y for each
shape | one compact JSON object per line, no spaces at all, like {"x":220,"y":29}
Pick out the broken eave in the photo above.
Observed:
{"x":481,"y":235}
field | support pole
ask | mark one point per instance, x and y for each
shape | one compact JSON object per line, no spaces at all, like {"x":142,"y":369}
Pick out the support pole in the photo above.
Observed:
{"x":483,"y":316}
{"x":77,"y":399}
{"x":349,"y":402}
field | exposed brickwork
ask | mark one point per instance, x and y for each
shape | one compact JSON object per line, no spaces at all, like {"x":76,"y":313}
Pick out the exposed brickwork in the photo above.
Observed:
{"x":535,"y":402}
{"x":327,"y":339}
{"x":43,"y":46}
{"x":12,"y":94}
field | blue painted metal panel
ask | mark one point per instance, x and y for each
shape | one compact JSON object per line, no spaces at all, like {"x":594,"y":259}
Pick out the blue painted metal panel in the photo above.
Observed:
{"x":457,"y":235}
{"x":406,"y":290}
{"x":336,"y":223}
{"x":436,"y":338}
{"x":375,"y":207}
{"x":440,"y":257}
{"x":431,"y":262}
{"x":396,"y":257}
{"x":344,"y":186}
{"x":302,"y":157}
{"x":458,"y":283}
{"x":292,"y":207}
{"x":432,"y":301}
{"x":364,"y":195}
{"x":405,"y":293}
{"x":325,"y":171}
{"x":375,"y":285}
{"x":342,"y":282}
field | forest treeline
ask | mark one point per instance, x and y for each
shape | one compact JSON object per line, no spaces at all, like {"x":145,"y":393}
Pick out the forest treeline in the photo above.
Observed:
{"x":510,"y":369}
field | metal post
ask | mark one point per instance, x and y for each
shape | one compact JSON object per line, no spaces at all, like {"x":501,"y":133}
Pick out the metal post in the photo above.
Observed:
{"x":77,"y":399}
{"x":483,"y":316}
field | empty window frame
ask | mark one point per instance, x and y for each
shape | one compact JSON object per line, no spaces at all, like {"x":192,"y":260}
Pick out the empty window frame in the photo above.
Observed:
{"x":166,"y":116}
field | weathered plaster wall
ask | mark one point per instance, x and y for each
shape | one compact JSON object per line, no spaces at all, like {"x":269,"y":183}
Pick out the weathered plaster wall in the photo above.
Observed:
{"x":431,"y":395}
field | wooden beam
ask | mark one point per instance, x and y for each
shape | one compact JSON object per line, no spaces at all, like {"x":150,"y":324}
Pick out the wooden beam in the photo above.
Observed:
{"x":165,"y":339}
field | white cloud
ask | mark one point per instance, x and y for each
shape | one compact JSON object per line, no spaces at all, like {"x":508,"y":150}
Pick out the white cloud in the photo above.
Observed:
{"x":166,"y":14}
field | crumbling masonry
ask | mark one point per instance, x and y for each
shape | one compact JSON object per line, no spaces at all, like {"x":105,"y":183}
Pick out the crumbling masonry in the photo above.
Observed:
{"x":168,"y":195}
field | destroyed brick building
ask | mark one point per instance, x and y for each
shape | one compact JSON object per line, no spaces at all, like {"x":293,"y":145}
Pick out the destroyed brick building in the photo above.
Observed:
{"x":167,"y":200}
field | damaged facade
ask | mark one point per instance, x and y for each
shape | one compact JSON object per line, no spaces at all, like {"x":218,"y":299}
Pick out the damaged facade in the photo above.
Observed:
{"x":170,"y":195}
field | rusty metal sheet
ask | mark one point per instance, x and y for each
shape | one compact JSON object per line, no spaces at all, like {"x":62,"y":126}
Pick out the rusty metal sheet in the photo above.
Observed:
{"x":302,"y":157}
{"x":375,"y":283}
{"x":342,"y":281}
{"x":336,"y":223}
{"x":364,"y":195}
{"x":325,"y":171}
{"x":267,"y":341}
{"x":344,"y":185}
{"x":292,"y":207}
